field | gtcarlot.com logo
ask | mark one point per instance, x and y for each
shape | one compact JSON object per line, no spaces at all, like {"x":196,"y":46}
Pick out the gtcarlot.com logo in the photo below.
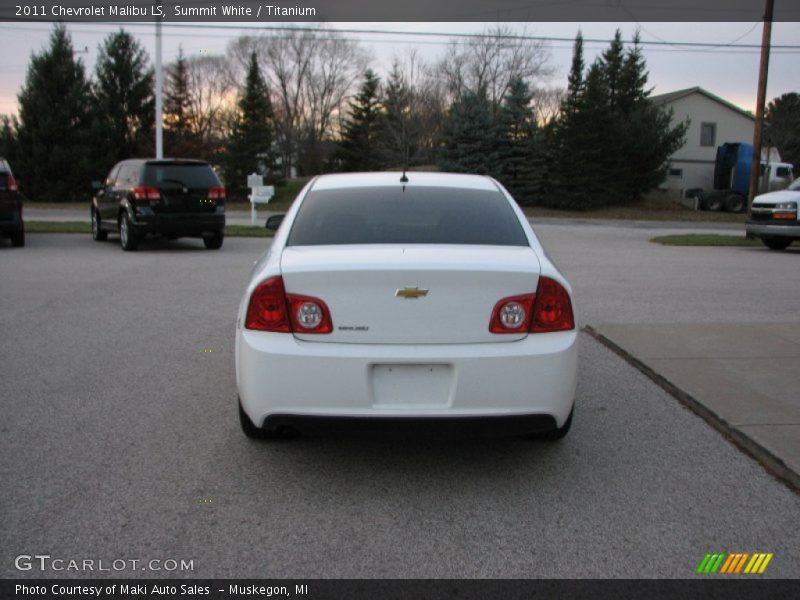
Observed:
{"x":45,"y":562}
{"x":737,"y":563}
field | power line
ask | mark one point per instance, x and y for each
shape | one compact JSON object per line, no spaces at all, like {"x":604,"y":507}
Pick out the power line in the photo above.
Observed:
{"x":443,"y":34}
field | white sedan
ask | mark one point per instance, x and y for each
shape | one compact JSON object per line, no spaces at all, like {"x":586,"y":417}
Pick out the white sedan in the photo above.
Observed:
{"x":387,"y":298}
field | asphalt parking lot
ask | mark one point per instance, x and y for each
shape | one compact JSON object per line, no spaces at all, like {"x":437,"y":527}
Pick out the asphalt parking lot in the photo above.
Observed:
{"x":120,"y":438}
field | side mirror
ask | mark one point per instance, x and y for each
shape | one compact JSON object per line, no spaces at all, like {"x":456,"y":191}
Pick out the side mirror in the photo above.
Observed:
{"x":97,"y":186}
{"x":274,"y":222}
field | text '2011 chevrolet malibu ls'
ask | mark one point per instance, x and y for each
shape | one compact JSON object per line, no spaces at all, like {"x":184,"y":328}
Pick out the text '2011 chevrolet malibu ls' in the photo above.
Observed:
{"x":387,"y":298}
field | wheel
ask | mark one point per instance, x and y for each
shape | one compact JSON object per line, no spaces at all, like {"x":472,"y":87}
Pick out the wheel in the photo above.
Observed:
{"x":712,"y":202}
{"x":734,"y":203}
{"x":127,"y":237}
{"x":18,"y":238}
{"x":555,"y":434}
{"x":250,"y":429}
{"x":214,"y":242}
{"x":98,"y":235}
{"x":776,"y":243}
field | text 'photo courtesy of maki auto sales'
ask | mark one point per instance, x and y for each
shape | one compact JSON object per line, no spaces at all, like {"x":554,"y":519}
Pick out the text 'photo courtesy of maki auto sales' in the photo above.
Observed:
{"x":388,"y":298}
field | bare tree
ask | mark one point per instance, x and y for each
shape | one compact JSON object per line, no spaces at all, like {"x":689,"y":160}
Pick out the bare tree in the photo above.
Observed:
{"x":309,"y":74}
{"x":211,"y":98}
{"x":547,"y":104}
{"x":490,"y":63}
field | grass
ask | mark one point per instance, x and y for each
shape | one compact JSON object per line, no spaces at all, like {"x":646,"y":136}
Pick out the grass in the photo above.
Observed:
{"x":650,"y":209}
{"x":284,"y":195}
{"x":704,"y":239}
{"x":79,"y":227}
{"x":647,"y":210}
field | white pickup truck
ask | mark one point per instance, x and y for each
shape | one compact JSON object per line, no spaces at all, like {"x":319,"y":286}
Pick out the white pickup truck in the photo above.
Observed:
{"x":773,"y":217}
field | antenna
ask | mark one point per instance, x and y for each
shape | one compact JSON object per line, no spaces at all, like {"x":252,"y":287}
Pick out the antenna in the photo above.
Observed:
{"x":404,"y":178}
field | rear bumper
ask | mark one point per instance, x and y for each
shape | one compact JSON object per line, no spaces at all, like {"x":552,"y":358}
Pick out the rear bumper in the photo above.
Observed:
{"x":191,"y":224}
{"x":759,"y":228}
{"x":280,"y":377}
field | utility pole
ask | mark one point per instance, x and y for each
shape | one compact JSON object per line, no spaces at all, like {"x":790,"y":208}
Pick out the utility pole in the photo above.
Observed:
{"x":755,"y":165}
{"x":159,"y":90}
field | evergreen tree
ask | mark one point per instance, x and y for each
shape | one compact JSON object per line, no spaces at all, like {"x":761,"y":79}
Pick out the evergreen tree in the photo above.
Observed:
{"x":250,"y":145}
{"x":520,"y":155}
{"x":400,"y":132}
{"x":8,"y":138}
{"x":359,"y":147}
{"x":123,"y":93}
{"x":469,"y":137}
{"x":783,"y":127}
{"x":179,"y":140}
{"x":610,"y":144}
{"x":53,"y":159}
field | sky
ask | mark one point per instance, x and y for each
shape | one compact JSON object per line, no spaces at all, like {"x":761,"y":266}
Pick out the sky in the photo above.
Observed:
{"x":731,"y":73}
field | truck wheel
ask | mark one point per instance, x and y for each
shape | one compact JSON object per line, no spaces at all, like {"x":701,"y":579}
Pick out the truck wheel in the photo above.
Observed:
{"x":734,"y":203}
{"x":776,"y":243}
{"x":712,"y":202}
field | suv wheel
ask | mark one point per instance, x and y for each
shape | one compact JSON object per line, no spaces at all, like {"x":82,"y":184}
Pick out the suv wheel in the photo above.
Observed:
{"x":214,"y":242}
{"x":98,"y":235}
{"x":127,"y":236}
{"x":776,"y":243}
{"x":18,"y":238}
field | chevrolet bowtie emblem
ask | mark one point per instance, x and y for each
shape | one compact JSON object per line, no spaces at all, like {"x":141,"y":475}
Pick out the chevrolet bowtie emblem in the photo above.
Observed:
{"x":410,"y":292}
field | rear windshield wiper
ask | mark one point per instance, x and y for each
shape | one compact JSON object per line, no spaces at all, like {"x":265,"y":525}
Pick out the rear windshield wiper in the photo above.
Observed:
{"x":178,"y":181}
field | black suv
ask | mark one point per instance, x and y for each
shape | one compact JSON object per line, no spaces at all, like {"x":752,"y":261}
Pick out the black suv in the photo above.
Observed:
{"x":10,"y":206}
{"x":171,"y":197}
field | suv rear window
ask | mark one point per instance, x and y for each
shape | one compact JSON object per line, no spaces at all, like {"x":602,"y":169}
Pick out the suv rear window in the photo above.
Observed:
{"x":418,"y":215}
{"x":190,"y":175}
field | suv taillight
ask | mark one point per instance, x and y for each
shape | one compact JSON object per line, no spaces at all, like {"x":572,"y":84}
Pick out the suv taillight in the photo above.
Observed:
{"x":146,"y":193}
{"x":272,"y":309}
{"x":549,"y":309}
{"x":12,"y":183}
{"x":216,"y":193}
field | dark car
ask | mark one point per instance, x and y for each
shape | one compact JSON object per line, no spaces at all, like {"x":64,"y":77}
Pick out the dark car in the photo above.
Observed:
{"x":168,"y":197}
{"x":10,"y":206}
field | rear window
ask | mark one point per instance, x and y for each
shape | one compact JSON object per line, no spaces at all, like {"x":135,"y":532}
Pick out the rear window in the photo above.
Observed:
{"x":418,"y":215}
{"x":187,"y":175}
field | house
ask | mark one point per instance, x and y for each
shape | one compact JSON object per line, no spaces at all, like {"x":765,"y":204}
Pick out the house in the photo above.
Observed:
{"x":712,"y":121}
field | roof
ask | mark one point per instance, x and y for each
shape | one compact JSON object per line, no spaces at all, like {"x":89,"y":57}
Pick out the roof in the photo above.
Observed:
{"x":415,"y":178}
{"x":677,"y":95}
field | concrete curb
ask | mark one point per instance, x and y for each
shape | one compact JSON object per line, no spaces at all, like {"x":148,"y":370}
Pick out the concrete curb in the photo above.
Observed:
{"x":773,"y":464}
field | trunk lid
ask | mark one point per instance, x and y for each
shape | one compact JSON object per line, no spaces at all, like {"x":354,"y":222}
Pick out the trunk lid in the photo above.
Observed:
{"x":457,"y":287}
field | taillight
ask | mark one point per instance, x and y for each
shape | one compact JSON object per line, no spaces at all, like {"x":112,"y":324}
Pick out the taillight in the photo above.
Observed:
{"x":549,"y":309}
{"x":11,"y":184}
{"x":512,"y":314}
{"x":216,"y":193}
{"x":309,"y":315}
{"x":146,"y":193}
{"x":272,"y":309}
{"x":552,"y":310}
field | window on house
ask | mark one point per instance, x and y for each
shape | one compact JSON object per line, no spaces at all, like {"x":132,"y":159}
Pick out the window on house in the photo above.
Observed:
{"x":678,"y":173}
{"x":708,"y":134}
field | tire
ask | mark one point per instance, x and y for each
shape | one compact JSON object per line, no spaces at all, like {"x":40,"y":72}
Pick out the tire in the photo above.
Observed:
{"x":250,"y":429}
{"x":98,"y":235}
{"x":555,"y":434}
{"x":214,"y":242}
{"x":18,"y":238}
{"x":776,"y":243}
{"x":734,"y":203}
{"x":712,"y":202}
{"x":127,"y":237}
